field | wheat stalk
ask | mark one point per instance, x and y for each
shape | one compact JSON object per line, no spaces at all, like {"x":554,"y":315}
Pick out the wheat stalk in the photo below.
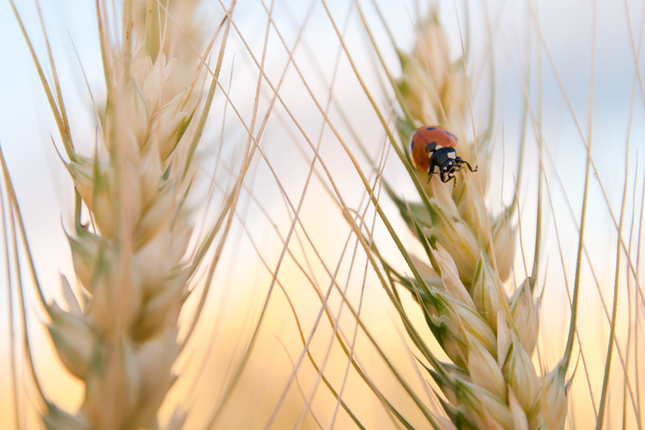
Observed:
{"x":489,"y":336}
{"x":134,"y":216}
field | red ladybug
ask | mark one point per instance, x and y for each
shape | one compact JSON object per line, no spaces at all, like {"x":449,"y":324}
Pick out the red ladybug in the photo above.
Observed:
{"x":432,"y":151}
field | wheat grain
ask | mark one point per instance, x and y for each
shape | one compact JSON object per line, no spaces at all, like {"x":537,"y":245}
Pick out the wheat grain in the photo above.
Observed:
{"x":130,"y":255}
{"x":487,"y":335}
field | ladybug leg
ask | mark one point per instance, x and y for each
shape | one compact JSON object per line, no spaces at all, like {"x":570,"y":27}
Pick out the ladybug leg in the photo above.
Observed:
{"x":447,"y":177}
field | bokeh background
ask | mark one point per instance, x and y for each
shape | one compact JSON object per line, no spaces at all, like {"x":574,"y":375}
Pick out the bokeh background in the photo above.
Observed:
{"x":577,"y":64}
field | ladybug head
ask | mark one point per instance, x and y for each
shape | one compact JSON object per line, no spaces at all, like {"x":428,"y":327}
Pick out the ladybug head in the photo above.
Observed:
{"x":446,"y":163}
{"x":448,"y":169}
{"x":444,"y":160}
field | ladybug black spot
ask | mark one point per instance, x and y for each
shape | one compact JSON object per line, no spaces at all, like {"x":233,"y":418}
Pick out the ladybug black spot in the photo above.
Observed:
{"x":431,"y":128}
{"x":431,"y":146}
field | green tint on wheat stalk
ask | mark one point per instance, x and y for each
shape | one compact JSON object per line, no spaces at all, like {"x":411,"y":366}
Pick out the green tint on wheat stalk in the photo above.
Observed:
{"x":489,"y":336}
{"x":133,"y":218}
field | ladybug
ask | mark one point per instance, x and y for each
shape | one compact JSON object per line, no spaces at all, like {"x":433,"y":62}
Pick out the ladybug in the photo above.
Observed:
{"x":432,"y":150}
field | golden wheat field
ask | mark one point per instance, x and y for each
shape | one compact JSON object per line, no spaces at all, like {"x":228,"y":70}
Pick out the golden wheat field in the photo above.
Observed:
{"x":280,"y":214}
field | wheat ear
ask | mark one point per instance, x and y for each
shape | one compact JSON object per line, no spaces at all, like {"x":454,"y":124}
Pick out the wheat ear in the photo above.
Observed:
{"x":489,"y":336}
{"x":134,"y":216}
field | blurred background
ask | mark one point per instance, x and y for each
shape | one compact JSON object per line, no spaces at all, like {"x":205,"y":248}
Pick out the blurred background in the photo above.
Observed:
{"x":577,"y":65}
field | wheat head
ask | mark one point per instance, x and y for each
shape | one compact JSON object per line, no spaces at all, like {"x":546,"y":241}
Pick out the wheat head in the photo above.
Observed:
{"x":488,"y":335}
{"x":134,"y":216}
